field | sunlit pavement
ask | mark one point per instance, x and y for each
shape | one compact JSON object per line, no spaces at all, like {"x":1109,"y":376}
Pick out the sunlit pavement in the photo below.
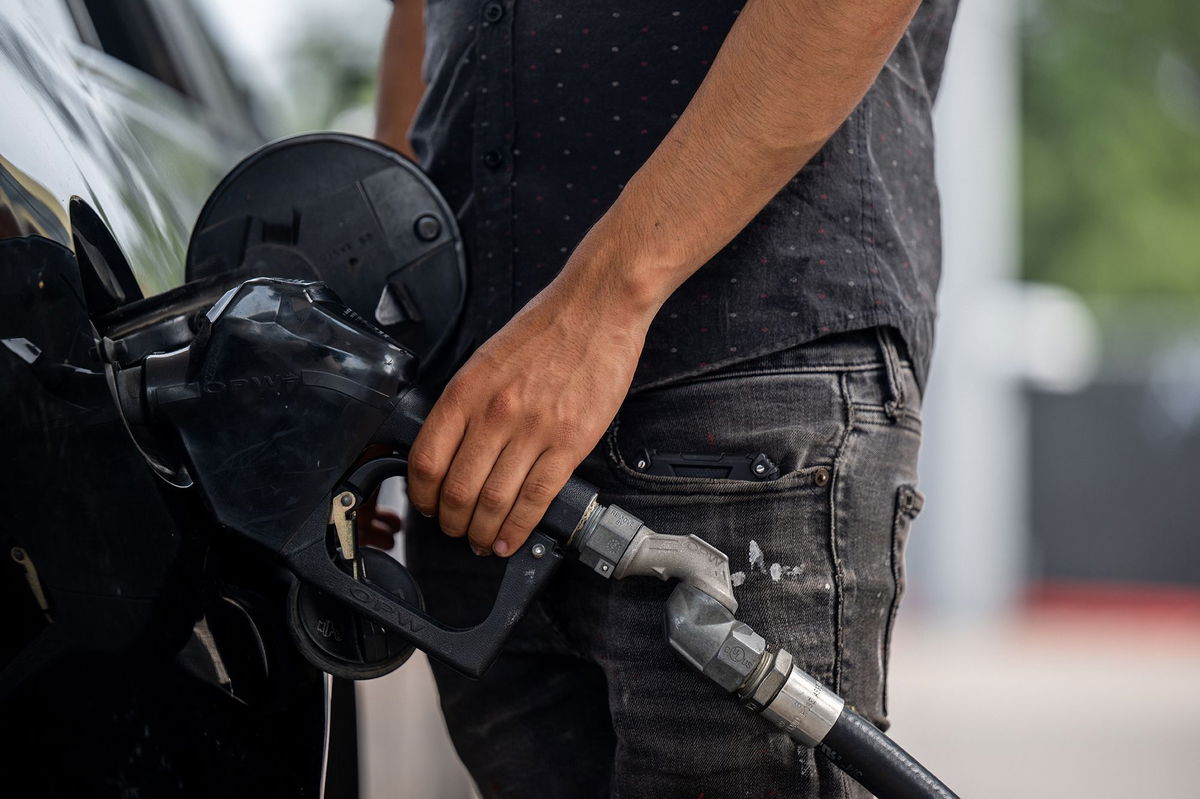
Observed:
{"x":1046,"y":705}
{"x":1053,"y":704}
{"x":404,"y":749}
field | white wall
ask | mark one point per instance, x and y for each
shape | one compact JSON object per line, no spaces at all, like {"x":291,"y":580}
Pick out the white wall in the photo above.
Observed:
{"x":967,"y":549}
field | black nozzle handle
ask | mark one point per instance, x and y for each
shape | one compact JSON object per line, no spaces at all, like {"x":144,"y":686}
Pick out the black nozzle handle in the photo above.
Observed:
{"x":567,"y":511}
{"x":469,"y":650}
{"x":526,"y":572}
{"x":399,"y":430}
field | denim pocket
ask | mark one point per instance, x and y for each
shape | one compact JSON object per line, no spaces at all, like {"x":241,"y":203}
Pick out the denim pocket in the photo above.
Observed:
{"x":816,"y":474}
{"x":909,"y":502}
{"x":797,"y":420}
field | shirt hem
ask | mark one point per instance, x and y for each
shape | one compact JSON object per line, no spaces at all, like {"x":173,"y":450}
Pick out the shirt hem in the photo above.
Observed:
{"x":915,"y":328}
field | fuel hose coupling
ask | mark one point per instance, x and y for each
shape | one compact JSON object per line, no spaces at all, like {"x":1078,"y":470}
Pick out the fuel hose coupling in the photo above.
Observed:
{"x":616,"y":544}
{"x":704,"y":632}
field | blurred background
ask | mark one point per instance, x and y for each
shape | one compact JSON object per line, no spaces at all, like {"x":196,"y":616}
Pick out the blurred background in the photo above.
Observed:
{"x":1050,"y":641}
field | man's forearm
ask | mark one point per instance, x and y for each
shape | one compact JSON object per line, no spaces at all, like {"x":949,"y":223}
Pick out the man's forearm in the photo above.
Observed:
{"x":789,"y":73}
{"x":400,"y":83}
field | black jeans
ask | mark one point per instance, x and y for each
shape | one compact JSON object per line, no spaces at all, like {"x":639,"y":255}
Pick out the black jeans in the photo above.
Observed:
{"x":587,"y":700}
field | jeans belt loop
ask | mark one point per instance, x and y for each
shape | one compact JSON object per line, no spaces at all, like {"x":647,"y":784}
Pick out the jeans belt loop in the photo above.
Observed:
{"x":895,"y":378}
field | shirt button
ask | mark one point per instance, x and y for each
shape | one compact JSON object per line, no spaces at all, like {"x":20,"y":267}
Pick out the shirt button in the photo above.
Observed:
{"x":493,"y":11}
{"x":492,"y":159}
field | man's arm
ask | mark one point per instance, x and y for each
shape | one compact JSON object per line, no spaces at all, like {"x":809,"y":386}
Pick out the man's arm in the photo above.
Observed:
{"x":400,"y":84}
{"x":531,"y":403}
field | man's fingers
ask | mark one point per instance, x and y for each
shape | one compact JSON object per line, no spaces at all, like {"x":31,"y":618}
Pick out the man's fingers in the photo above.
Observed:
{"x":541,"y":485}
{"x":473,"y":462}
{"x":499,"y":493}
{"x":431,"y":456}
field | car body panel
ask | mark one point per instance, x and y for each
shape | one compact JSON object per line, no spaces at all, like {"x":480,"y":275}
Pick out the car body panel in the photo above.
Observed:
{"x":141,"y":653}
{"x":81,"y":123}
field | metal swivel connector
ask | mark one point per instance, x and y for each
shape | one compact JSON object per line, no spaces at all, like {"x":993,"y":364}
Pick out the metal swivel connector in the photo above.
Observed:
{"x":732,"y":655}
{"x":706,"y":634}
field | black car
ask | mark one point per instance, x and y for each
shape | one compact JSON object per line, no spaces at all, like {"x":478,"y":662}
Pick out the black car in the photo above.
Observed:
{"x":142,"y":651}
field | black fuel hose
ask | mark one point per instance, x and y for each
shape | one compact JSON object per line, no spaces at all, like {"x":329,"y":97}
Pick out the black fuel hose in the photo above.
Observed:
{"x":875,"y":761}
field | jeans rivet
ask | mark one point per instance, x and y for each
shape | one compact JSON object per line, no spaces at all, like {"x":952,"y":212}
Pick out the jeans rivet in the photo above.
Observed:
{"x":821,"y":476}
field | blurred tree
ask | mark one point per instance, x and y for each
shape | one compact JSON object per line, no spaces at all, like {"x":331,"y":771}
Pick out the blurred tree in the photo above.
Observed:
{"x":310,"y":66}
{"x":1111,"y":145}
{"x":331,"y":67}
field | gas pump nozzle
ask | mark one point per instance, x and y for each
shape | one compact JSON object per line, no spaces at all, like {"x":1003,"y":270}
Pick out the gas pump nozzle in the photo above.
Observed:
{"x":268,"y":410}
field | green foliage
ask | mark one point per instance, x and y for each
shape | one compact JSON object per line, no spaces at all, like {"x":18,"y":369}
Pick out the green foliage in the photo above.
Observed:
{"x":1111,"y":145}
{"x":333,"y":68}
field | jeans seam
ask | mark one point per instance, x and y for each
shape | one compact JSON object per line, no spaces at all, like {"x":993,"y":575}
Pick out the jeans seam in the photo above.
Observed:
{"x":904,"y":420}
{"x":895,"y":379}
{"x":835,"y":559}
{"x":824,"y":368}
{"x":565,"y":638}
{"x":905,"y":512}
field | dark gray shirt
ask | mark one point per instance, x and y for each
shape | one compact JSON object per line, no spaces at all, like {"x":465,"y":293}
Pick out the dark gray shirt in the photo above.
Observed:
{"x":538,"y":112}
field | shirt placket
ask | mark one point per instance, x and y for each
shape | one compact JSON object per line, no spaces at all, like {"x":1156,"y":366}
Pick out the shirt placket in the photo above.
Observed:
{"x":493,"y":170}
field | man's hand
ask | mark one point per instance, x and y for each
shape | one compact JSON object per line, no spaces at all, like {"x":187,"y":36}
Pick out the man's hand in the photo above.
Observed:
{"x":528,"y":407}
{"x":400,"y":82}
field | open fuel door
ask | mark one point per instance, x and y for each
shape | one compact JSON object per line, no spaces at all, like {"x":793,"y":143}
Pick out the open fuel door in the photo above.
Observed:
{"x":352,"y":213}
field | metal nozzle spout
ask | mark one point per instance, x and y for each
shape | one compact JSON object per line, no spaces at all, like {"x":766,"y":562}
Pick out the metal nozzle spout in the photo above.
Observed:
{"x":687,"y":558}
{"x":705,"y":633}
{"x":731,"y":654}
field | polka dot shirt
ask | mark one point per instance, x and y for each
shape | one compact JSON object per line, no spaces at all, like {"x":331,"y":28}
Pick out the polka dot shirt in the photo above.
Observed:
{"x":538,"y":112}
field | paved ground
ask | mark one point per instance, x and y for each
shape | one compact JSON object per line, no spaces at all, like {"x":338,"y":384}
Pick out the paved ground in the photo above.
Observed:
{"x":1066,"y":705}
{"x":1057,"y":705}
{"x":405,"y":751}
